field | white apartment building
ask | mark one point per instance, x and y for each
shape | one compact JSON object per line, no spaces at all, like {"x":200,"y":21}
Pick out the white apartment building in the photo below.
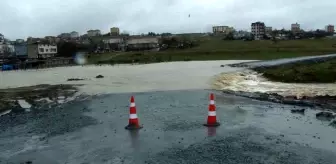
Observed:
{"x":39,"y":50}
{"x":258,"y":30}
{"x":91,"y":33}
{"x":46,"y":50}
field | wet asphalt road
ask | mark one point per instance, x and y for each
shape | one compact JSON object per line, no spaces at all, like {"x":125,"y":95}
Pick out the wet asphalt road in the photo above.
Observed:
{"x":92,"y":131}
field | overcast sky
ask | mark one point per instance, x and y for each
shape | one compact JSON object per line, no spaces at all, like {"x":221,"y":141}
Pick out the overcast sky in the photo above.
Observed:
{"x":38,"y":18}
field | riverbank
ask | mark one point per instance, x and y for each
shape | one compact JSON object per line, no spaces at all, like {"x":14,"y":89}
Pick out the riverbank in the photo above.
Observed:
{"x":212,"y":48}
{"x":301,"y":72}
{"x":24,"y":98}
{"x":309,"y":82}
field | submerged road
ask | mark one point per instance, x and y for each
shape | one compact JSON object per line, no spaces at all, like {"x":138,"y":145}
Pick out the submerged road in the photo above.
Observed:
{"x":92,"y":131}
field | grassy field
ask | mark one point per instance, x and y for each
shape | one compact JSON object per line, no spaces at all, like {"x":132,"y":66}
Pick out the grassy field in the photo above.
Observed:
{"x":324,"y":72}
{"x":213,"y":48}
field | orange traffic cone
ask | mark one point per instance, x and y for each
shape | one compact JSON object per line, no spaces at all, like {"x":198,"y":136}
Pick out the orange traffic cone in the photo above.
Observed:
{"x":212,"y":120}
{"x":133,"y":118}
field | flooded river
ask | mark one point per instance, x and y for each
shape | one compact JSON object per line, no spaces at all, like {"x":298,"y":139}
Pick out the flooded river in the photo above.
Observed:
{"x":124,"y":78}
{"x":161,"y":77}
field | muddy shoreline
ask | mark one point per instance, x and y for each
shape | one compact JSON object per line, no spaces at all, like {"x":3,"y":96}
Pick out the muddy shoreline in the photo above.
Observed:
{"x":35,"y":96}
{"x":323,"y":102}
{"x":43,"y":94}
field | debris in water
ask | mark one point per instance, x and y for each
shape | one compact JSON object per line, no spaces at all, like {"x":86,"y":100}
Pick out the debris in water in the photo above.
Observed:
{"x":5,"y":112}
{"x":325,"y":116}
{"x":333,"y":124}
{"x":24,"y":104}
{"x":300,"y":111}
{"x":75,"y":79}
{"x":99,"y":76}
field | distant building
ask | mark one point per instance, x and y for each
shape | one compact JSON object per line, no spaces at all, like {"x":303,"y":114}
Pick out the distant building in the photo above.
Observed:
{"x":74,"y":34}
{"x":64,"y":36}
{"x":268,"y":30}
{"x":295,"y":28}
{"x":142,"y":42}
{"x":92,"y":33}
{"x":114,"y":40}
{"x":222,"y":29}
{"x":39,"y":50}
{"x":114,"y":31}
{"x":330,"y":28}
{"x":114,"y":43}
{"x":258,"y":30}
{"x":19,"y":41}
{"x":21,"y":50}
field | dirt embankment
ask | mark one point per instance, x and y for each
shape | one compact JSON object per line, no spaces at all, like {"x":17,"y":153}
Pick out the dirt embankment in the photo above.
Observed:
{"x":34,"y":95}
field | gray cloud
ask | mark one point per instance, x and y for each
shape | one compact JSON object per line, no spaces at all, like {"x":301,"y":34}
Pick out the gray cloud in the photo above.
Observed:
{"x":38,"y":18}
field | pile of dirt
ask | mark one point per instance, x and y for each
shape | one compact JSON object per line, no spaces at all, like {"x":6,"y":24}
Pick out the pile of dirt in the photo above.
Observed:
{"x":33,"y":95}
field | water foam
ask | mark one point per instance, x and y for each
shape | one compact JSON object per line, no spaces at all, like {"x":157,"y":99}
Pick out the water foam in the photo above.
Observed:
{"x":250,"y":81}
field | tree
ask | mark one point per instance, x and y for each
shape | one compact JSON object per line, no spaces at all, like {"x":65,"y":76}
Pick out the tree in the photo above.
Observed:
{"x":166,"y":34}
{"x":151,"y":34}
{"x":7,"y":51}
{"x":125,"y":33}
{"x":66,"y":49}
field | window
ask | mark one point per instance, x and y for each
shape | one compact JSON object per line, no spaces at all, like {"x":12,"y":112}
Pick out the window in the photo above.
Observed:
{"x":41,"y":49}
{"x":46,"y":50}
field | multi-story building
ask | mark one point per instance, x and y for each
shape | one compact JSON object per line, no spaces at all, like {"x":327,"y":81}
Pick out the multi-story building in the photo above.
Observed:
{"x":92,"y":33}
{"x":114,"y":31}
{"x":74,"y":34}
{"x":258,"y":30}
{"x":330,"y":28}
{"x":222,"y":29}
{"x":40,"y":50}
{"x":295,"y":28}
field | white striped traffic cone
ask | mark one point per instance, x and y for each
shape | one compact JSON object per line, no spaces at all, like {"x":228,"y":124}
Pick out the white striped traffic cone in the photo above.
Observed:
{"x":133,"y":122}
{"x":212,"y":119}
